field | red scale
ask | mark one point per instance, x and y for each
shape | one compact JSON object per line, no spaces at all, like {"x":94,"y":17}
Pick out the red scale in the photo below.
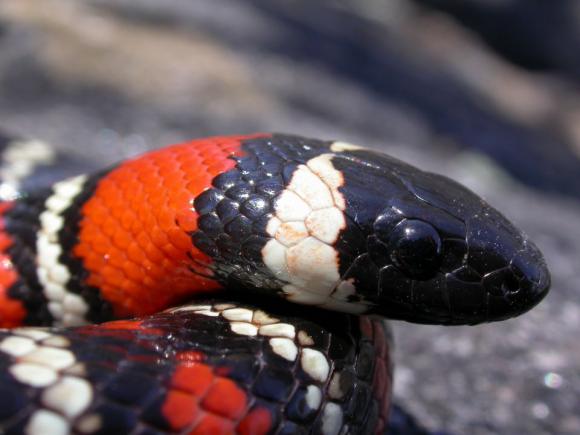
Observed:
{"x":134,"y":237}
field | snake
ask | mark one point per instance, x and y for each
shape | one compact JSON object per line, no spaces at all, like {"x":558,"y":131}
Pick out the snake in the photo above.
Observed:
{"x":235,"y":284}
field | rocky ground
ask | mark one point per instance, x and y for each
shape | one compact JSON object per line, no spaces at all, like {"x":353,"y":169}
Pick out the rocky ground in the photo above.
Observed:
{"x":485,"y":92}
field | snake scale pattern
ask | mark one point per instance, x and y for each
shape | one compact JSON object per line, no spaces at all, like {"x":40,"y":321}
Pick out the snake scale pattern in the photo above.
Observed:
{"x":235,"y":285}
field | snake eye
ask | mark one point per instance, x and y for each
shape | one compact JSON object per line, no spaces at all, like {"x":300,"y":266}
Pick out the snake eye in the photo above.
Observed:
{"x":415,"y":248}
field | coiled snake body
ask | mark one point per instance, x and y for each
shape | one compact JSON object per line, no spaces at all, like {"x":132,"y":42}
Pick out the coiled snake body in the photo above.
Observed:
{"x":287,"y":251}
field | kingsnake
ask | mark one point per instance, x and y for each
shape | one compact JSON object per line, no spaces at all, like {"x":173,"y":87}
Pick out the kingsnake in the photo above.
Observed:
{"x":287,"y":252}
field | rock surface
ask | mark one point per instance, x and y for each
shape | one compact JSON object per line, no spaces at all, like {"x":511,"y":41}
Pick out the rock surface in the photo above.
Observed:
{"x":106,"y":79}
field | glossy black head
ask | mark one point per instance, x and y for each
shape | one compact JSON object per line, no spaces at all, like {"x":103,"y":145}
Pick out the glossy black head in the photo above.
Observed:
{"x":433,"y":251}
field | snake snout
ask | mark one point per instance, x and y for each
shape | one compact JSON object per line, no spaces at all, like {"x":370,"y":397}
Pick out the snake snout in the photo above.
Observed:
{"x":518,"y":287}
{"x":503,"y":268}
{"x":462,"y":265}
{"x":499,"y":277}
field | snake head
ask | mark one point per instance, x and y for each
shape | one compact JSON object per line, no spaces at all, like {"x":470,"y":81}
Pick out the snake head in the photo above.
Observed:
{"x":433,"y":251}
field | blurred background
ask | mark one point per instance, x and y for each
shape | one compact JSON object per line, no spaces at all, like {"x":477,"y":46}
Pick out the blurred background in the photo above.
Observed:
{"x":484,"y":91}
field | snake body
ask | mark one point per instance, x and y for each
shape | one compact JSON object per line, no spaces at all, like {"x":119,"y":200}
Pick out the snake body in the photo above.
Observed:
{"x":287,"y":252}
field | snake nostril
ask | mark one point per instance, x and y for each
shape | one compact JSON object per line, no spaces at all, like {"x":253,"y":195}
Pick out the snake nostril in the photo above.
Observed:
{"x":511,"y":284}
{"x":501,"y":283}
